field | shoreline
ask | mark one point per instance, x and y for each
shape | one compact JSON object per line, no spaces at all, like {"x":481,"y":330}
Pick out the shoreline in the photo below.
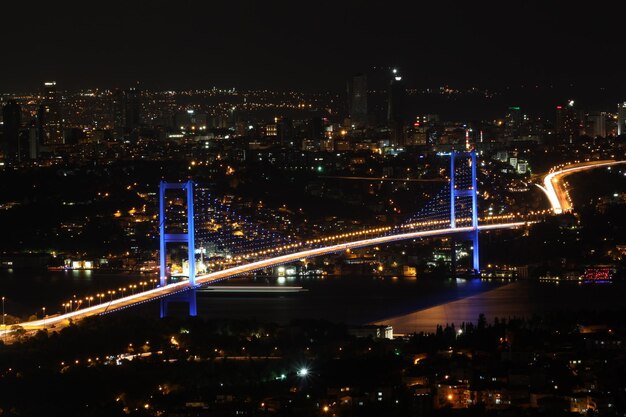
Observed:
{"x":490,"y":303}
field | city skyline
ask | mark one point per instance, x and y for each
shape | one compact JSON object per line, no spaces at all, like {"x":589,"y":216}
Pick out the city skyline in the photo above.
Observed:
{"x":346,"y":209}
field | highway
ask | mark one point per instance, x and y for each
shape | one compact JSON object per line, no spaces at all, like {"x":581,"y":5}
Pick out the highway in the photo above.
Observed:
{"x":553,"y":183}
{"x":166,"y":290}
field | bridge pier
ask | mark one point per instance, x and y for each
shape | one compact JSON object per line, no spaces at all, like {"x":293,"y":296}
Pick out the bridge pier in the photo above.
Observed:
{"x":188,"y":297}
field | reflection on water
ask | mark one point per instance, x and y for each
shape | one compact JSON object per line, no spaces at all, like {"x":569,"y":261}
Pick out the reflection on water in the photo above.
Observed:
{"x":408,"y":303}
{"x":518,"y":299}
{"x":347,"y":299}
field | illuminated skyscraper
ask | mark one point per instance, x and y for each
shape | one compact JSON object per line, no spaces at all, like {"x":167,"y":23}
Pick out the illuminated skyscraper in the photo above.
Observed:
{"x":568,"y":123}
{"x":621,"y":118}
{"x":51,"y":117}
{"x":595,"y":124}
{"x":396,"y":109}
{"x":126,"y":111}
{"x":12,"y":121}
{"x":513,"y":122}
{"x":357,"y":99}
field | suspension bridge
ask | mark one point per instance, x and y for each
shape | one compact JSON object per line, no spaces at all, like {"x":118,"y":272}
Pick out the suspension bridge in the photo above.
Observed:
{"x":203,"y":226}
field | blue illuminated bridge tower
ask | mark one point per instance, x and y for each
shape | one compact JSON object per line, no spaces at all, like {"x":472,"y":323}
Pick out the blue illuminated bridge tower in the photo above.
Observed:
{"x":464,"y":195}
{"x":182,"y":237}
{"x":216,"y":224}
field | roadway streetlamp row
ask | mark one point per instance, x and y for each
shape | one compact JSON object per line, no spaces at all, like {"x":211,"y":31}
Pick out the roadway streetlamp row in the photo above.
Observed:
{"x":77,"y":303}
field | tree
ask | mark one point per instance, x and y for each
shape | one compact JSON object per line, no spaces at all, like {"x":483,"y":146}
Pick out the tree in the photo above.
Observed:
{"x":18,"y":331}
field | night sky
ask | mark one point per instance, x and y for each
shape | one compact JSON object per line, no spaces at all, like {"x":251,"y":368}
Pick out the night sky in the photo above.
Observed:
{"x":309,"y":45}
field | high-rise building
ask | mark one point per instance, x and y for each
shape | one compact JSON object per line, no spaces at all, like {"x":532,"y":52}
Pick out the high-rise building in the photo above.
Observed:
{"x":51,"y":117}
{"x":595,"y":124}
{"x":117,"y":107}
{"x":568,"y":123}
{"x":132,"y":108}
{"x":33,"y":142}
{"x":396,"y":109}
{"x":126,"y":111}
{"x":12,"y":122}
{"x":513,"y":122}
{"x":621,"y":119}
{"x":357,"y":99}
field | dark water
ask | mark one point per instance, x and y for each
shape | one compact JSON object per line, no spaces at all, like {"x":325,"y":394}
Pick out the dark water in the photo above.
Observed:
{"x":408,"y":303}
{"x":352,"y":299}
{"x":27,"y":291}
{"x":346,"y":299}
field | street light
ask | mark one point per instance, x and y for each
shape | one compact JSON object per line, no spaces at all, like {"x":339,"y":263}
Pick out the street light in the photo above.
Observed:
{"x":44,"y":317}
{"x":4,"y":329}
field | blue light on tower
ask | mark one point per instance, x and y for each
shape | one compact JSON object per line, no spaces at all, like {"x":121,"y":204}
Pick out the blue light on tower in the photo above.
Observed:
{"x":188,"y":238}
{"x":471,"y":191}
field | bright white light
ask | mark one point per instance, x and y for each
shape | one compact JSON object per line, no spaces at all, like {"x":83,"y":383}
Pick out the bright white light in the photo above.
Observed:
{"x":551,"y":179}
{"x":303,"y":372}
{"x":159,"y":291}
{"x":398,"y":78}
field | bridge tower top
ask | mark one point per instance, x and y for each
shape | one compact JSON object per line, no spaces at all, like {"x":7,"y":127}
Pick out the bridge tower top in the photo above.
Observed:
{"x":188,"y":238}
{"x":469,"y":190}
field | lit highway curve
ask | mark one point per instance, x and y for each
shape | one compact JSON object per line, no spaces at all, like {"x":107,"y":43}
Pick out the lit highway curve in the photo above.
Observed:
{"x":553,"y":183}
{"x":169,"y":289}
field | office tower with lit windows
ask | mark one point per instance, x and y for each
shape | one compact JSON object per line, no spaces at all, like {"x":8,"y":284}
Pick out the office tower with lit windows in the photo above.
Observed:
{"x":396,"y":109}
{"x":357,"y":100}
{"x":126,"y":111}
{"x":621,"y":119}
{"x":513,"y":122}
{"x":52,"y":119}
{"x":12,"y":122}
{"x":595,"y":124}
{"x":568,"y":123}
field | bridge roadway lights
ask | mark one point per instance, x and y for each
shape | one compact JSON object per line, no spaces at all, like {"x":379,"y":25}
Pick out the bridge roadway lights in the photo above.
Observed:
{"x":188,"y":238}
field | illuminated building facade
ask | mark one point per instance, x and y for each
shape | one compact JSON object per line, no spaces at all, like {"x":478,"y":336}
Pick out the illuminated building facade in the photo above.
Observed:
{"x":621,"y":119}
{"x":51,"y":119}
